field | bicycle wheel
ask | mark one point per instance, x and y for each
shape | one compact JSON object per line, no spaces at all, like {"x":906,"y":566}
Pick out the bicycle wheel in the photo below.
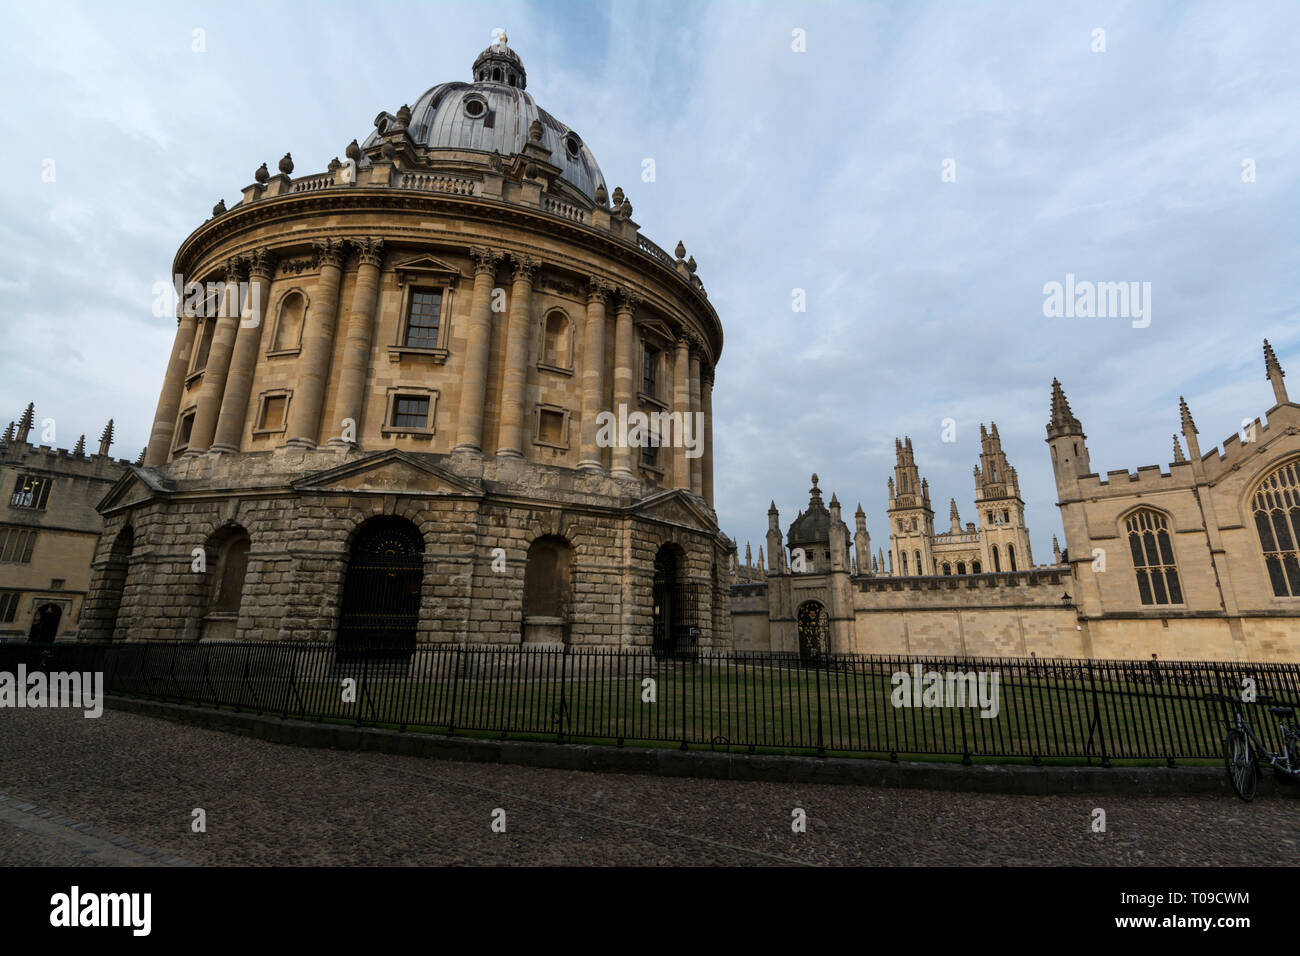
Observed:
{"x":1240,"y":762}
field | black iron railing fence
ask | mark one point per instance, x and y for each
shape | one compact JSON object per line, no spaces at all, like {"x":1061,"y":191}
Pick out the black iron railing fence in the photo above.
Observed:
{"x":1037,"y":709}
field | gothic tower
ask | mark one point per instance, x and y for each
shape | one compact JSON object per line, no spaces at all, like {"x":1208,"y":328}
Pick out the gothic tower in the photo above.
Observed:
{"x":1000,"y":509}
{"x":911,"y":520}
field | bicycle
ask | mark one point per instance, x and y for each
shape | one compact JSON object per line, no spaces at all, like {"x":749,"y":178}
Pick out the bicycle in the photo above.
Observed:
{"x":1242,"y":747}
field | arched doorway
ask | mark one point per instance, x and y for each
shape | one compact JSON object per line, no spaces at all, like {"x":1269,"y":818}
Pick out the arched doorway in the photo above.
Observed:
{"x":381,"y":591}
{"x":115,"y":573}
{"x":676,"y":627}
{"x":45,"y":624}
{"x":814,"y":631}
{"x":228,"y":556}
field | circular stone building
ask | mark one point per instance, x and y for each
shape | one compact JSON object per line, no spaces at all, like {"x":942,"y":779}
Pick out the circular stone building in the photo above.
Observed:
{"x":443,"y":391}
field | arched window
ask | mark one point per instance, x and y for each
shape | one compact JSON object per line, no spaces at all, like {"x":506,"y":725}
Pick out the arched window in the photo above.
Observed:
{"x":496,"y":75}
{"x":1153,"y":557}
{"x":547,"y":579}
{"x":913,"y":524}
{"x":975,"y":567}
{"x":555,"y":346}
{"x":997,"y":561}
{"x":961,"y":567}
{"x":288,"y":326}
{"x":947,"y":568}
{"x":1011,"y":556}
{"x":904,"y":556}
{"x":1276,"y":504}
{"x":920,"y":568}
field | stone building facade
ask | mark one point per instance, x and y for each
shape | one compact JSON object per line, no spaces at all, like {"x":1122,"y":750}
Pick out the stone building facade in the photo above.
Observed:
{"x":49,"y":529}
{"x":444,"y":391}
{"x":1196,"y":560}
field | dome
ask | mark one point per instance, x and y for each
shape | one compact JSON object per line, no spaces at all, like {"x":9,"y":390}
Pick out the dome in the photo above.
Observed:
{"x":813,"y":527}
{"x":494,"y":115}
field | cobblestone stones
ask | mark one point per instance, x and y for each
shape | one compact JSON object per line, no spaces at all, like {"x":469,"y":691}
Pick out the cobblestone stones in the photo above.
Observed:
{"x":267,"y":804}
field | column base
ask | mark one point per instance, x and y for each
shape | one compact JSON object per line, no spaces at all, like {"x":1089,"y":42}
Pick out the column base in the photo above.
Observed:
{"x":224,"y":449}
{"x":510,"y":453}
{"x":341,"y":443}
{"x":467,"y":450}
{"x":594,"y":467}
{"x":623,"y":473}
{"x":306,"y":443}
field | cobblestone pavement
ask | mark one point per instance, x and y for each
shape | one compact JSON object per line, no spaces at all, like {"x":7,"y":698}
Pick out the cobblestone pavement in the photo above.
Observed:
{"x":122,"y":789}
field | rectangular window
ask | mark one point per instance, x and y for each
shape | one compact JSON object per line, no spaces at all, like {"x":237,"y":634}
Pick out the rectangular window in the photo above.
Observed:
{"x":187,"y":429}
{"x":16,"y":544}
{"x":205,"y":344}
{"x":648,"y":371}
{"x":9,"y":605}
{"x":411,"y":411}
{"x":550,"y":427}
{"x":31,"y":491}
{"x":273,"y":413}
{"x":422,"y":319}
{"x":650,"y":455}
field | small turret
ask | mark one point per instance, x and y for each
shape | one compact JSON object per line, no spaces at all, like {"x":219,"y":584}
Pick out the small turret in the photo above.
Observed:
{"x":80,"y":450}
{"x":1273,"y":372}
{"x":106,"y":438}
{"x":1189,"y":429}
{"x":25,"y":423}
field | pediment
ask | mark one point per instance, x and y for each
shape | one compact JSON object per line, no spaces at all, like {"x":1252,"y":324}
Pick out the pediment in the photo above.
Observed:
{"x":390,"y":472}
{"x":657,"y":329}
{"x":425,"y":267}
{"x":677,"y":508}
{"x":134,"y":487}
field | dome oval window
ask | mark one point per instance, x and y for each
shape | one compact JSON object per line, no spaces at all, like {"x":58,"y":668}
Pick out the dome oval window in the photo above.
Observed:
{"x":475,"y":107}
{"x":572,"y":144}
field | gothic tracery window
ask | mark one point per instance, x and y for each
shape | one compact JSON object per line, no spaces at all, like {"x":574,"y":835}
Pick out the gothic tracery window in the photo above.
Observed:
{"x":1276,"y":505}
{"x":1153,"y":557}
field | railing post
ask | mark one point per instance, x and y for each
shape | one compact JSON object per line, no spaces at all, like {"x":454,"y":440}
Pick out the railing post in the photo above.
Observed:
{"x":1096,"y":718}
{"x":817,"y":678}
{"x":455,"y":685}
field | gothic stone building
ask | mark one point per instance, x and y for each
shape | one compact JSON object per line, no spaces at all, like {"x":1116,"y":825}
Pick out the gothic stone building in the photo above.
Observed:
{"x":49,"y":530}
{"x":1196,"y":560}
{"x":381,"y":419}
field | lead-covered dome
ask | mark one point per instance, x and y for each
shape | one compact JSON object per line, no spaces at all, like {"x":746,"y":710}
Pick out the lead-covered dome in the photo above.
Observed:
{"x":494,"y":114}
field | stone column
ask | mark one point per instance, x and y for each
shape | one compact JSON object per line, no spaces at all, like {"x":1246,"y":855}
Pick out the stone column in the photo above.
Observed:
{"x":696,"y":464}
{"x":243,"y":362}
{"x":213,"y":388}
{"x":593,"y":372}
{"x":169,"y":401}
{"x":706,"y":406}
{"x":356,"y":349}
{"x":473,"y":380}
{"x":317,"y":345}
{"x":624,"y":361}
{"x":514,"y":377}
{"x":681,"y":404}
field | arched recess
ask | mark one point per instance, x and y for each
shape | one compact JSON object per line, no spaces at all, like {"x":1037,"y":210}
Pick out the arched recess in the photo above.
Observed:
{"x":557,"y":340}
{"x":1275,"y":512}
{"x":227,"y":565}
{"x":814,"y":631}
{"x":289,"y":321}
{"x":675,"y":624}
{"x":997,"y":560}
{"x":114,"y":581}
{"x":380,"y":611}
{"x":548,"y":591}
{"x":45,"y":624}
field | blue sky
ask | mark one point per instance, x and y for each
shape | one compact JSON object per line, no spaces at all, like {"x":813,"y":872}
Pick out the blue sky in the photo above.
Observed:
{"x":780,"y":170}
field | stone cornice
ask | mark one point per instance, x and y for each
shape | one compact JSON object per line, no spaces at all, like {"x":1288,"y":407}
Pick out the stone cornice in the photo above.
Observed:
{"x":293,"y":206}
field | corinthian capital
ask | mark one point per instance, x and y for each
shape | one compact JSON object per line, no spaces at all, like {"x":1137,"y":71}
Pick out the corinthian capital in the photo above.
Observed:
{"x":261,"y":264}
{"x":706,"y":374}
{"x":628,"y":300}
{"x":525,"y":268}
{"x":598,"y":290}
{"x":232,"y":268}
{"x":485,"y":260}
{"x":328,"y":252}
{"x":371,"y":250}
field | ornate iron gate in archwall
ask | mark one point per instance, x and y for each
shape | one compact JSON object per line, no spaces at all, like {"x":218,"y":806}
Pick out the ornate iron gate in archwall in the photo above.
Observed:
{"x":676,"y":623}
{"x":381,"y":592}
{"x":814,"y":631}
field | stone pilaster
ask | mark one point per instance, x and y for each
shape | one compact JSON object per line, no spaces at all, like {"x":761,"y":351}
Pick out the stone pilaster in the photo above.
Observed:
{"x":696,"y":464}
{"x":356,"y":349}
{"x":681,"y":405}
{"x":706,"y":406}
{"x":624,"y":362}
{"x":473,"y":382}
{"x":317,"y":346}
{"x":593,"y":372}
{"x":514,"y":378}
{"x":213,"y":389}
{"x":243,"y":362}
{"x":169,"y":400}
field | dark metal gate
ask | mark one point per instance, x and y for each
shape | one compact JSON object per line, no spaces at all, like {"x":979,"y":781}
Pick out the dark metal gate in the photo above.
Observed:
{"x":381,"y":592}
{"x":814,"y":632}
{"x":676,"y":610}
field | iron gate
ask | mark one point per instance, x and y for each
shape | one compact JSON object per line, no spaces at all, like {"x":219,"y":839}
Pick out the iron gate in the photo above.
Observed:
{"x":381,"y":592}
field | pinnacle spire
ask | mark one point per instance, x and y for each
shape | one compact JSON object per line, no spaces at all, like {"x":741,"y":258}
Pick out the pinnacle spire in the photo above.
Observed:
{"x":1273,"y":372}
{"x":80,"y":450}
{"x":139,"y":462}
{"x":106,"y":438}
{"x":1178,"y":451}
{"x":1062,"y":421}
{"x":25,"y":422}
{"x":1185,"y":413}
